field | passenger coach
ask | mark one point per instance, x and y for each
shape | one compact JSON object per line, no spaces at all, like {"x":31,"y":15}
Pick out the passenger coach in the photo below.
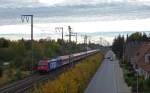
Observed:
{"x":47,"y":65}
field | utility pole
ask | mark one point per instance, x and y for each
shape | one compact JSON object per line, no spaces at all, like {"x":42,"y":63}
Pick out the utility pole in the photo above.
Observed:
{"x":123,"y":54}
{"x":26,"y":18}
{"x":89,"y":41}
{"x":137,"y":82}
{"x":85,"y":42}
{"x":76,"y":37}
{"x":70,"y":35}
{"x":76,"y":34}
{"x":62,"y":32}
{"x":60,"y":29}
{"x":100,"y":39}
{"x":85,"y":37}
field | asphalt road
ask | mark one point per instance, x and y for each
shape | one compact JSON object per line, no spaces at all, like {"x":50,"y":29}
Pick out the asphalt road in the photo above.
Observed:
{"x":108,"y":78}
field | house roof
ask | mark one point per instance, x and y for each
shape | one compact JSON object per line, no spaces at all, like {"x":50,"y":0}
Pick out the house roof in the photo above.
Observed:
{"x":140,"y":56}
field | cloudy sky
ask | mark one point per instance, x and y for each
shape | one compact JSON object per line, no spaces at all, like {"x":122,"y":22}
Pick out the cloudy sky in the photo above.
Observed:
{"x":83,"y":15}
{"x":56,"y":11}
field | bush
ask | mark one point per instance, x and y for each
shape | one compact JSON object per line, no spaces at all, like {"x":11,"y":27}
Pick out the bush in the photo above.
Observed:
{"x":147,"y":86}
{"x":131,"y":79}
{"x":18,"y":74}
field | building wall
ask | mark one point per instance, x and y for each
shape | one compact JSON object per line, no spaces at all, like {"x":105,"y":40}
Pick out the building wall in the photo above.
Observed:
{"x":130,"y":49}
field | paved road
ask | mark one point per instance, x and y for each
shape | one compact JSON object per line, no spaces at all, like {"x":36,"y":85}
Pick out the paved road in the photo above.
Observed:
{"x":108,"y":78}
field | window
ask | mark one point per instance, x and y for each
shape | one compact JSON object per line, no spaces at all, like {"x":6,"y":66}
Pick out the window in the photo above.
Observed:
{"x":147,"y":58}
{"x":43,"y":63}
{"x":136,"y":66}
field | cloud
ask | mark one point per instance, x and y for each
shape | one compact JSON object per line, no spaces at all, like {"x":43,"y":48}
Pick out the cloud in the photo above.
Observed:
{"x":79,"y":2}
{"x":18,"y":3}
{"x":87,"y":2}
{"x":38,"y":3}
{"x":51,"y":2}
{"x":71,"y":2}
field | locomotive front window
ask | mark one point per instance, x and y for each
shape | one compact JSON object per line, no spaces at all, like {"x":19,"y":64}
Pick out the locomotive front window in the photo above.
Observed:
{"x":43,"y":63}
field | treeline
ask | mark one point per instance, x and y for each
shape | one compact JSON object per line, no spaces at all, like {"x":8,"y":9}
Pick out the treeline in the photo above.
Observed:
{"x":18,"y":53}
{"x":119,"y":42}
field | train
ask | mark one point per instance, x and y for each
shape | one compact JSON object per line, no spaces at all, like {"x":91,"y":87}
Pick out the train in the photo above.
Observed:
{"x":46,"y":65}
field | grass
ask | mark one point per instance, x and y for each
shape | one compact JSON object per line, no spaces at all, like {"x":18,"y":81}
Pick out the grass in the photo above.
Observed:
{"x":4,"y":79}
{"x":75,"y":80}
{"x":12,"y":75}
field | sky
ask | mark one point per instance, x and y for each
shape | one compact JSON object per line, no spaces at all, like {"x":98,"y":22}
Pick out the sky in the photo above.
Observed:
{"x":35,"y":3}
{"x":88,"y":16}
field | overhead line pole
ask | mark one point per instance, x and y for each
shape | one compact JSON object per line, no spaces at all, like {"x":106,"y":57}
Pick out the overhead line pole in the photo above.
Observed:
{"x":85,"y":37}
{"x":69,"y":28}
{"x":26,"y":18}
{"x":62,"y":31}
{"x":70,"y":35}
{"x":85,"y":42}
{"x":76,"y":34}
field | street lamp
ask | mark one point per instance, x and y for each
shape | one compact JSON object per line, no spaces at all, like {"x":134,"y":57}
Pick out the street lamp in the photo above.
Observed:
{"x":137,"y":86}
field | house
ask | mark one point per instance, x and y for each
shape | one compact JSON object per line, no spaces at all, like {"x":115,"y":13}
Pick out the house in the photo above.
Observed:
{"x":141,"y":62}
{"x":129,"y":50}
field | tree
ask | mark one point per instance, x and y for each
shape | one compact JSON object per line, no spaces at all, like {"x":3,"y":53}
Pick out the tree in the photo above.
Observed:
{"x":135,"y":37}
{"x":118,"y":45}
{"x":138,"y":37}
{"x":4,"y":43}
{"x":144,"y":37}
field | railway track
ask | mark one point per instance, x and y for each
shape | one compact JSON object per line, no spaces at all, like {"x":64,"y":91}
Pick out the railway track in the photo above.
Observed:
{"x":26,"y":84}
{"x":23,"y":86}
